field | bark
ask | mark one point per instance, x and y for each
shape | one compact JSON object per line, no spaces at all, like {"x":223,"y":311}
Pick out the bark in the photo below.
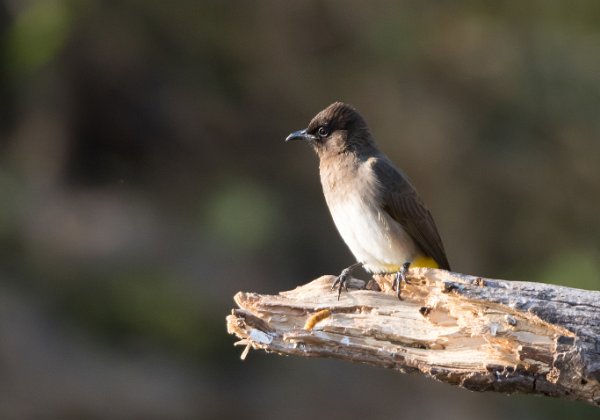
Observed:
{"x":481,"y":334}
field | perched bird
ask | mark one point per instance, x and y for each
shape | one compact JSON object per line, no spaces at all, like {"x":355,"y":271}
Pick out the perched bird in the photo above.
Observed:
{"x":374,"y":206}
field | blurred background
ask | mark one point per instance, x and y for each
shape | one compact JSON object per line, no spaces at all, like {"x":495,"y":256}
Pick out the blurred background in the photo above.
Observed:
{"x":144,"y":180}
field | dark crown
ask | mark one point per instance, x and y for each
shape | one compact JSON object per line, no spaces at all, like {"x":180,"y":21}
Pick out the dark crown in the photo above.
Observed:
{"x":337,"y":116}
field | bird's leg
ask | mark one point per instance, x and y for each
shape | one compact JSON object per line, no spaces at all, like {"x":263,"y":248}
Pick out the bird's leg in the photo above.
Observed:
{"x":340,"y":281}
{"x":400,"y":276}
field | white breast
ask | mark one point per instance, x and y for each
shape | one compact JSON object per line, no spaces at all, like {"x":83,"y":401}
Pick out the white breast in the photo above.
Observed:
{"x":375,"y":239}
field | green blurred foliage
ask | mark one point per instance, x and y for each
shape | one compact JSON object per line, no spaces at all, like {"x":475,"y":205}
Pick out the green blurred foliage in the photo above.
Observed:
{"x":37,"y":35}
{"x":573,"y":267}
{"x":242,"y":216}
{"x":140,"y":307}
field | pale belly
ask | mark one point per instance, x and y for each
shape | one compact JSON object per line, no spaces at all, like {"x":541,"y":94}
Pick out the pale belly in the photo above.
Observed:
{"x":375,"y":239}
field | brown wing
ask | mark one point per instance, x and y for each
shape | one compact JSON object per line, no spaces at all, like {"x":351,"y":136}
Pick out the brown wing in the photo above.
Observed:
{"x":402,"y":202}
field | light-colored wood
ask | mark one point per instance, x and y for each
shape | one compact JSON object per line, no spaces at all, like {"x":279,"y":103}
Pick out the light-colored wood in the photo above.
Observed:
{"x":478,"y":333}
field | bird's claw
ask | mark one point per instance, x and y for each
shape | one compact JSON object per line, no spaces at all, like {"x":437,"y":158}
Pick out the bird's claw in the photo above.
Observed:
{"x":399,"y":278}
{"x":340,"y":283}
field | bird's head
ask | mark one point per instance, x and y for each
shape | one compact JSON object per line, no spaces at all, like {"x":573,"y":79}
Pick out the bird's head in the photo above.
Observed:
{"x":337,"y":129}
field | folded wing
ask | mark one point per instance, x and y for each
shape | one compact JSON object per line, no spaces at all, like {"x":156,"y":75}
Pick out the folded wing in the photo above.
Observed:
{"x":403,"y":204}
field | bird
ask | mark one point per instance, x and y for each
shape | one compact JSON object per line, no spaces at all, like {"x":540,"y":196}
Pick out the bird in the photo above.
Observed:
{"x":374,"y":205}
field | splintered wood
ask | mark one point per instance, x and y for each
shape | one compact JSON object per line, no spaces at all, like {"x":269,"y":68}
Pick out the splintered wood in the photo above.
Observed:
{"x":481,"y":334}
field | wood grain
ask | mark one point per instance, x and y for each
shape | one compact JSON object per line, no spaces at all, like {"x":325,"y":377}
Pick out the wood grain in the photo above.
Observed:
{"x":478,"y":333}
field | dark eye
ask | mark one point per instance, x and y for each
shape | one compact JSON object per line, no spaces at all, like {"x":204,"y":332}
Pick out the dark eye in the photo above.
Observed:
{"x":323,"y":131}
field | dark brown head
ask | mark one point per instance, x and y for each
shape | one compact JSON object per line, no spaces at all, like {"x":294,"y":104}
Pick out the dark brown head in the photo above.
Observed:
{"x":337,"y":129}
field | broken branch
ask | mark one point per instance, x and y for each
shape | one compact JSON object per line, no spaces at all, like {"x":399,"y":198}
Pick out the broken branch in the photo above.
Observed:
{"x":481,"y":334}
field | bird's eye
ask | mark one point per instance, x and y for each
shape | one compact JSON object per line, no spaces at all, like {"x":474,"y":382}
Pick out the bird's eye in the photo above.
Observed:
{"x":323,"y":131}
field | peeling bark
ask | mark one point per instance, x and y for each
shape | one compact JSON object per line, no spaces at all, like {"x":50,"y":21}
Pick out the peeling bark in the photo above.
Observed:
{"x":481,"y":334}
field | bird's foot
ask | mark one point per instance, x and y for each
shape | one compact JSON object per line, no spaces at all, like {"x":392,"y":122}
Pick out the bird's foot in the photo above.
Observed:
{"x":340,"y":281}
{"x":400,"y":277}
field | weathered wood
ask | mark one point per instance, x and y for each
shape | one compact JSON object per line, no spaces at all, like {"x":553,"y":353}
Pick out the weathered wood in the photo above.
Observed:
{"x":478,"y":333}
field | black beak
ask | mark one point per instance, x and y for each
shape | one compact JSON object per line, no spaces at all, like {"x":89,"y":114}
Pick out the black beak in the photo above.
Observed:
{"x":300,"y":135}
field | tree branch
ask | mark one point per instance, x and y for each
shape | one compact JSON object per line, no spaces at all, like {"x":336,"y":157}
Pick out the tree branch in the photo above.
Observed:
{"x":481,"y":334}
